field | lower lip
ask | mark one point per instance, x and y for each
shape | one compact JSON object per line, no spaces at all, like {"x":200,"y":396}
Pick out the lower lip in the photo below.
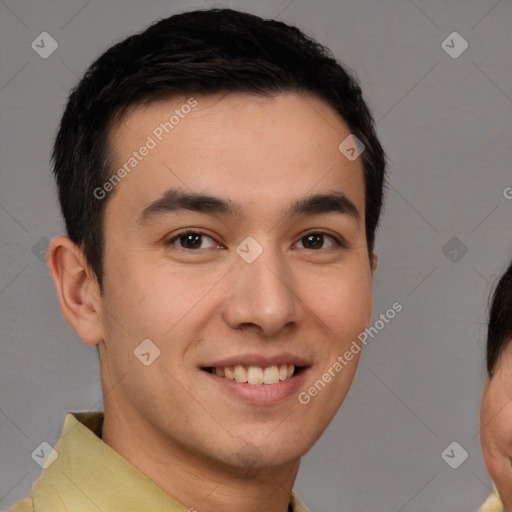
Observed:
{"x":261,"y":394}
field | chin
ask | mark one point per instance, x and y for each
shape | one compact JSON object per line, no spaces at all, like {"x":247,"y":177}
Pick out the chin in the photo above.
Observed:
{"x":262,"y":454}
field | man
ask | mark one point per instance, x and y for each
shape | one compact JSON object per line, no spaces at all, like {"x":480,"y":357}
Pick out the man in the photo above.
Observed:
{"x":221,"y":184}
{"x":496,"y":403}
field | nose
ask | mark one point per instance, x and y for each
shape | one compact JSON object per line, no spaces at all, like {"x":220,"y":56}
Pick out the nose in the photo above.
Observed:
{"x":263,"y":295}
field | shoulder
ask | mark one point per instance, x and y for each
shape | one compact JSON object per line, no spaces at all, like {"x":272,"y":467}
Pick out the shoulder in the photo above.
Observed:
{"x":25,"y":505}
{"x":492,"y":504}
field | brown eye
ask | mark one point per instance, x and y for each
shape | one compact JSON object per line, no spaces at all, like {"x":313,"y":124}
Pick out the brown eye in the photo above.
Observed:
{"x":316,"y":240}
{"x":190,"y":240}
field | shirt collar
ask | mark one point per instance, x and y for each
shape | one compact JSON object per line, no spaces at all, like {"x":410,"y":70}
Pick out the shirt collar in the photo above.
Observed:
{"x":87,"y":470}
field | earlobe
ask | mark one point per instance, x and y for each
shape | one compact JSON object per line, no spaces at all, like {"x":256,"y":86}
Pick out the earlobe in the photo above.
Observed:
{"x":77,"y":289}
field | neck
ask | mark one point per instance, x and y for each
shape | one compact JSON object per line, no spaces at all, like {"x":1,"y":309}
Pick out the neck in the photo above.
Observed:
{"x":193,"y":479}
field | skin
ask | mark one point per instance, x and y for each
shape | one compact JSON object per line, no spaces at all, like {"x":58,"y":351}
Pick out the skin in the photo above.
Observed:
{"x":203,"y":303}
{"x":495,"y":427}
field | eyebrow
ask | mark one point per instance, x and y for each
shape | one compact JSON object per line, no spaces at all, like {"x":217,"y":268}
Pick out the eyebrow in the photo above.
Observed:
{"x":174,"y":200}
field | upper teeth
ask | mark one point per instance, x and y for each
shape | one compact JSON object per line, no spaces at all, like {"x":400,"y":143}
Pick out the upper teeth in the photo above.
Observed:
{"x":256,"y":374}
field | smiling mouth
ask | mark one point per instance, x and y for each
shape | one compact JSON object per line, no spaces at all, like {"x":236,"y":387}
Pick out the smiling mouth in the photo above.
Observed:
{"x":256,"y":374}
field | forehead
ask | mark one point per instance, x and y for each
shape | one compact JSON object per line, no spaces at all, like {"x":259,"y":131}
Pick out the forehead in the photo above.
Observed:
{"x":231,"y":145}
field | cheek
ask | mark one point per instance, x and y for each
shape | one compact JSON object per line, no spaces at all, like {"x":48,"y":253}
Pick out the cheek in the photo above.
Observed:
{"x":343,"y":303}
{"x":155,"y":298}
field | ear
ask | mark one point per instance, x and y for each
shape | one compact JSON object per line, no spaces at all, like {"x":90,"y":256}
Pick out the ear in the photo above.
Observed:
{"x":374,"y":262}
{"x":77,"y":289}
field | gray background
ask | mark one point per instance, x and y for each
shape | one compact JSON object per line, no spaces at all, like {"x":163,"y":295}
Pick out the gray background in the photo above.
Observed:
{"x":445,"y":124}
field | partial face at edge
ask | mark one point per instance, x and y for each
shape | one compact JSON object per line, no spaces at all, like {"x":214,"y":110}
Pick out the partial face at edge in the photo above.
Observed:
{"x":496,"y":426}
{"x":303,"y":300}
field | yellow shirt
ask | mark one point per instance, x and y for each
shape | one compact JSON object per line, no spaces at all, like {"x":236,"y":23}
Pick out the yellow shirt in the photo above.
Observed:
{"x":88,"y":475}
{"x":493,"y":504}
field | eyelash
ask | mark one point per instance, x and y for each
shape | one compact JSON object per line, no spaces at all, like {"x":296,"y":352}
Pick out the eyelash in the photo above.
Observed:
{"x":338,"y":242}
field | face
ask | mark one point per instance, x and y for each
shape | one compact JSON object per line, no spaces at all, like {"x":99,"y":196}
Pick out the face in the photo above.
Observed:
{"x":495,"y":426}
{"x":258,"y":282}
